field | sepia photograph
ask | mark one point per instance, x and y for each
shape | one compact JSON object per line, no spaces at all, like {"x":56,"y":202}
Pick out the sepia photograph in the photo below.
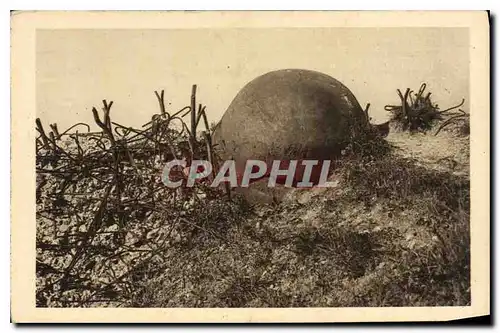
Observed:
{"x":212,"y":162}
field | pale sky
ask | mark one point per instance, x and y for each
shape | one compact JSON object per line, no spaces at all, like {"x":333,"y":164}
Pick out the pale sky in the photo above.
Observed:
{"x":76,"y":69}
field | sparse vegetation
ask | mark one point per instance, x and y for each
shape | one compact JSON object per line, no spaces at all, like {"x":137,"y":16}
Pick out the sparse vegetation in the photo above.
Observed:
{"x":395,"y":232}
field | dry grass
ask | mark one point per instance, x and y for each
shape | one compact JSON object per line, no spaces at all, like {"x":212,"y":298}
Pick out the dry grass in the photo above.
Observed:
{"x":394,"y":233}
{"x":337,"y":261}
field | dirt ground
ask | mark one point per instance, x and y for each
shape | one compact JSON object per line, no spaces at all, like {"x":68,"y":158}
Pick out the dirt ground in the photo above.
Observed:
{"x":394,"y":231}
